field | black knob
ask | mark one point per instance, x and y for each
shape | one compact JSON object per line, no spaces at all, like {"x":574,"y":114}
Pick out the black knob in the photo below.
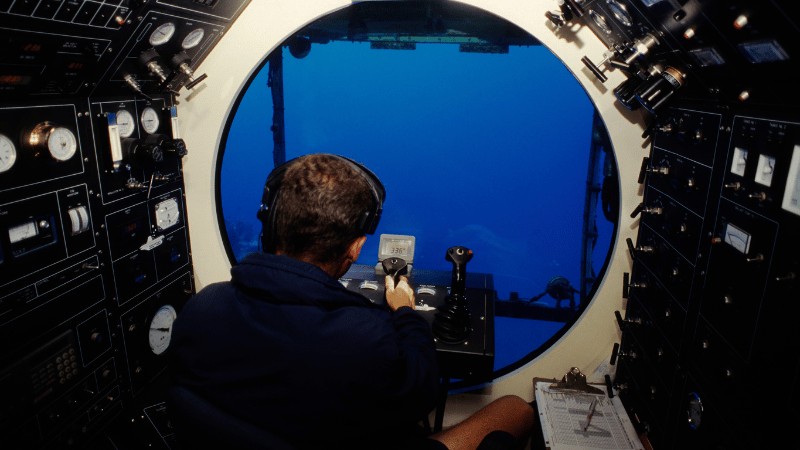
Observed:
{"x":137,"y":151}
{"x":175,"y":148}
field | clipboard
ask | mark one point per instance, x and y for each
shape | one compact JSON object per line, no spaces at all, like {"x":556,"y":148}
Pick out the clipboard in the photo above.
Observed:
{"x":566,"y":423}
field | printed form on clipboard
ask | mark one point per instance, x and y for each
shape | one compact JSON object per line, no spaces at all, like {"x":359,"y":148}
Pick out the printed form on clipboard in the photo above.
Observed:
{"x":580,"y":420}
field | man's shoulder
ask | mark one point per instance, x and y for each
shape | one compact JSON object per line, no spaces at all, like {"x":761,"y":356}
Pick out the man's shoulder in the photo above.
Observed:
{"x":209,"y":296}
{"x":214,"y":288}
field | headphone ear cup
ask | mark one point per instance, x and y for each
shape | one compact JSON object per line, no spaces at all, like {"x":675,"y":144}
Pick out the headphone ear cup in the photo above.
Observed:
{"x":370,"y":218}
{"x":269,"y":203}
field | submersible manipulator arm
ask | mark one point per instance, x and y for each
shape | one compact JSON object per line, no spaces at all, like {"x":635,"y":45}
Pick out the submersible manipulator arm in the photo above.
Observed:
{"x":451,"y":324}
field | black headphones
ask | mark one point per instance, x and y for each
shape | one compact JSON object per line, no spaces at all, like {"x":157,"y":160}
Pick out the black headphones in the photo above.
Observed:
{"x":269,"y":201}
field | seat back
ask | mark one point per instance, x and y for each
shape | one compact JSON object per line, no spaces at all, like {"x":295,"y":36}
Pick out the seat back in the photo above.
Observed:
{"x":201,"y":425}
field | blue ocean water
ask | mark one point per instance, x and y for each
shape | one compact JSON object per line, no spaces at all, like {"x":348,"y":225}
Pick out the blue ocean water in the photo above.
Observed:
{"x":489,"y":151}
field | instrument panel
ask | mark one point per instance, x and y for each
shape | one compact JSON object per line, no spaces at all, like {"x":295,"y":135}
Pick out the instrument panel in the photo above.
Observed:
{"x":713,"y":268}
{"x":95,"y":258}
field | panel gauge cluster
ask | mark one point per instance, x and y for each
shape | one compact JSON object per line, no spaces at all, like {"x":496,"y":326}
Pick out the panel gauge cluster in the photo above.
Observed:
{"x":146,"y":329}
{"x":66,"y":47}
{"x":38,"y":145}
{"x":148,"y":243}
{"x":162,"y":54}
{"x":715,"y":262}
{"x":138,"y":148}
{"x":95,"y":259}
{"x":679,"y":177}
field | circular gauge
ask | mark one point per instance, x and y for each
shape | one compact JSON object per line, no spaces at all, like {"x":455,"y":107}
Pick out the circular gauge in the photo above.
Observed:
{"x":61,"y":143}
{"x":160,"y":332}
{"x":8,"y":153}
{"x":193,"y":38}
{"x":620,"y":12}
{"x":150,"y":120}
{"x":162,"y":34}
{"x":125,"y":123}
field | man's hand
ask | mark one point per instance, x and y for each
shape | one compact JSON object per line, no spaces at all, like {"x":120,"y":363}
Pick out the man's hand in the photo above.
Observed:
{"x":400,"y":295}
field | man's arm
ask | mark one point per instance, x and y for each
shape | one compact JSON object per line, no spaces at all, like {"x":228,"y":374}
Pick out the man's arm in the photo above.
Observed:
{"x":419,"y":384}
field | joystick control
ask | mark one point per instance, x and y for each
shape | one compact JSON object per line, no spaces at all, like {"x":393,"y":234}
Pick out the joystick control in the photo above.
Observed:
{"x":394,"y":267}
{"x":451,"y":324}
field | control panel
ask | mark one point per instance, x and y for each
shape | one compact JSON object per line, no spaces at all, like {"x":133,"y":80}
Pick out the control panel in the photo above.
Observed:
{"x":715,"y":263}
{"x":738,"y":52}
{"x":95,"y":258}
{"x":471,"y":358}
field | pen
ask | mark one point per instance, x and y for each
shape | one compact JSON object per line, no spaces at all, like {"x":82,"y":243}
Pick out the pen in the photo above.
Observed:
{"x":592,"y":406}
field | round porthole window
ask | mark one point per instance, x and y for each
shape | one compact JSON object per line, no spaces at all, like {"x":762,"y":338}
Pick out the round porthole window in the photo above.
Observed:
{"x":481,"y":136}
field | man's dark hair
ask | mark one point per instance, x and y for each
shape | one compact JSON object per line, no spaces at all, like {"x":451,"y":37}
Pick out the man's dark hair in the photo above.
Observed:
{"x":321,"y":200}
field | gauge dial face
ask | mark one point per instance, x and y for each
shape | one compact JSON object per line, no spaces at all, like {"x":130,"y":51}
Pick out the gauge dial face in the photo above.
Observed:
{"x":167,"y":214}
{"x":765,"y":169}
{"x":62,"y":143}
{"x":160,"y":332}
{"x":739,"y":163}
{"x":150,"y":120}
{"x":193,"y":38}
{"x":125,"y":123}
{"x":20,"y":232}
{"x":8,"y":153}
{"x":162,"y":34}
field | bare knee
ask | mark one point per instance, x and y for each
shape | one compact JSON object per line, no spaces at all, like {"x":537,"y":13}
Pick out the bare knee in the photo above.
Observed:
{"x":517,"y":412}
{"x":509,"y":413}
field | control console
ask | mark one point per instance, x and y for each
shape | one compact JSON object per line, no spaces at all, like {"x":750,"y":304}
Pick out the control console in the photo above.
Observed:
{"x":459,"y":307}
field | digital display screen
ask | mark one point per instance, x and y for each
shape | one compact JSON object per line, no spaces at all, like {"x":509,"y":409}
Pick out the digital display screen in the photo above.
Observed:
{"x":707,"y":57}
{"x":759,"y":52}
{"x":396,"y":246}
{"x":15,"y":80}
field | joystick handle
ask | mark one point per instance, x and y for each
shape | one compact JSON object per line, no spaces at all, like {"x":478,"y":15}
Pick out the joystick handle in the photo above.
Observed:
{"x":452,"y":323}
{"x":459,"y":256}
{"x":394,"y":267}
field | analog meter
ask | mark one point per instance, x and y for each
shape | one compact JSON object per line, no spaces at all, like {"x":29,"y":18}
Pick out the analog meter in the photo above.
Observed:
{"x":125,"y":123}
{"x":8,"y":153}
{"x":739,"y":163}
{"x":150,"y":120}
{"x":59,"y":141}
{"x":193,"y":38}
{"x":162,"y":34}
{"x":26,"y":230}
{"x":765,"y":170}
{"x":160,"y":332}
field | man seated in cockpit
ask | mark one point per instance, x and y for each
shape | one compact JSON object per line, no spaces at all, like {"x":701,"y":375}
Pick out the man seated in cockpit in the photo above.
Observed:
{"x":283,"y":356}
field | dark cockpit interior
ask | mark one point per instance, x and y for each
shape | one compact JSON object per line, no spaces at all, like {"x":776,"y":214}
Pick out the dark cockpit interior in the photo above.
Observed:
{"x":577,"y":190}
